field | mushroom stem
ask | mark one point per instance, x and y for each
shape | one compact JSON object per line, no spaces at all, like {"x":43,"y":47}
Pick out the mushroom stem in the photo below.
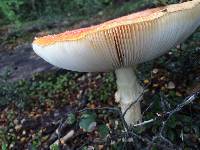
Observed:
{"x":128,"y":91}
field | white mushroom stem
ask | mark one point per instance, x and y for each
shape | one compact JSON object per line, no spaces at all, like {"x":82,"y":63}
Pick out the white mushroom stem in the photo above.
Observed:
{"x":128,"y":91}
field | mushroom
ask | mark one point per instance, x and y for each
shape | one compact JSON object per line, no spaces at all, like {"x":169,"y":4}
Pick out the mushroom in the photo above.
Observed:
{"x":121,"y":44}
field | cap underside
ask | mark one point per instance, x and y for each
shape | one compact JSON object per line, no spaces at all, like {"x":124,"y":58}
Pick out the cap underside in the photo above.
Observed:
{"x":121,"y":42}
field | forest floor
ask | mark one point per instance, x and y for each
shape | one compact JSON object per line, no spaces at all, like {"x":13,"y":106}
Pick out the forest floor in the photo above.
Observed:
{"x":40,"y":103}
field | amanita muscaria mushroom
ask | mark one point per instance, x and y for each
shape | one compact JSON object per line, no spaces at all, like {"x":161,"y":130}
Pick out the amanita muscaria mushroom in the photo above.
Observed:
{"x":120,"y":44}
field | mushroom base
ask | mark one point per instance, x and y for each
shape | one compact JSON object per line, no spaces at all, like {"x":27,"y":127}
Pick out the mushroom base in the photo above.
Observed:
{"x":128,"y":91}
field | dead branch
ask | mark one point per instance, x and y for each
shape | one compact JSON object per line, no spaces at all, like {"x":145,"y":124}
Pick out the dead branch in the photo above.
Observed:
{"x":128,"y":131}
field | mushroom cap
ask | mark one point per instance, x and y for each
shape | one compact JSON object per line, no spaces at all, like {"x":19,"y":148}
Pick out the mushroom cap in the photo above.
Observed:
{"x":121,"y":42}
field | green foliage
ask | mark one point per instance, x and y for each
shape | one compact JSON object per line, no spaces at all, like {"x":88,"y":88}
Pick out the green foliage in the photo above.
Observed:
{"x":7,"y":137}
{"x":22,"y":92}
{"x":84,"y":7}
{"x":49,"y":87}
{"x":103,"y":130}
{"x":36,"y":142}
{"x":10,"y":10}
{"x":106,"y":90}
{"x":10,"y":92}
{"x":87,"y":121}
{"x":54,"y":147}
{"x":71,"y":118}
{"x":4,"y":146}
{"x":16,"y":11}
{"x":3,"y":139}
{"x":164,"y":2}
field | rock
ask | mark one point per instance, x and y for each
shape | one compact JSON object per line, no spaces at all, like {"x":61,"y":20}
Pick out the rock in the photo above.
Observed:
{"x":92,"y":106}
{"x":33,"y":136}
{"x":162,"y":78}
{"x":82,"y":78}
{"x":11,"y":146}
{"x":23,"y":139}
{"x":90,"y":148}
{"x":100,"y":13}
{"x":89,"y":75}
{"x":18,"y":127}
{"x":79,"y":94}
{"x":16,"y":121}
{"x":24,"y":132}
{"x":171,"y":85}
{"x":178,"y":94}
{"x":170,"y":53}
{"x":98,"y":77}
{"x":146,"y":81}
{"x":155,"y":71}
{"x":11,"y":130}
{"x":155,"y":85}
{"x":23,"y":120}
{"x":100,"y":147}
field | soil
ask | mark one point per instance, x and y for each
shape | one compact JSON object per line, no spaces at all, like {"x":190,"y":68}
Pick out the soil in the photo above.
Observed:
{"x":22,"y":62}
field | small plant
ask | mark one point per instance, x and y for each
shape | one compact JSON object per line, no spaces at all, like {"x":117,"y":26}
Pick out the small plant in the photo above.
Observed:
{"x":18,"y":11}
{"x":4,"y":146}
{"x":54,"y":147}
{"x":10,"y":10}
{"x":103,"y":130}
{"x":36,"y":142}
{"x":87,"y":121}
{"x":71,"y":118}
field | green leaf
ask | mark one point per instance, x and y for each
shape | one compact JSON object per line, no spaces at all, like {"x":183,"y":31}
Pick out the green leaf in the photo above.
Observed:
{"x":88,"y":122}
{"x":71,"y":118}
{"x":4,"y":146}
{"x":103,"y":130}
{"x":54,"y":147}
{"x":89,"y":115}
{"x":172,"y":122}
{"x":154,"y":147}
{"x":84,"y":148}
{"x":171,"y":135}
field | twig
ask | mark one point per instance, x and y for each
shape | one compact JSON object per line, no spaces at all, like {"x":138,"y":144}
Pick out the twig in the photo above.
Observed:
{"x":148,"y":108}
{"x":164,"y":104}
{"x":117,"y":110}
{"x":58,"y":130}
{"x":144,"y":122}
{"x":137,"y":100}
{"x":129,"y":133}
{"x":64,"y":138}
{"x":187,"y":100}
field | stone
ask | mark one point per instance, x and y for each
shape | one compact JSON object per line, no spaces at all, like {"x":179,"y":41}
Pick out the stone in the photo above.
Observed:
{"x":18,"y":127}
{"x":171,"y":85}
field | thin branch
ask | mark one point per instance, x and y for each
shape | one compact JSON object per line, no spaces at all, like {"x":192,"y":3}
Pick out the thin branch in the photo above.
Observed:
{"x":64,"y":138}
{"x":128,"y":131}
{"x":144,"y":122}
{"x":139,"y":99}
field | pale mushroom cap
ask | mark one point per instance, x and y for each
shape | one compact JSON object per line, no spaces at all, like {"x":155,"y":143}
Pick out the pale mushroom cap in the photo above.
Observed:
{"x":121,"y":42}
